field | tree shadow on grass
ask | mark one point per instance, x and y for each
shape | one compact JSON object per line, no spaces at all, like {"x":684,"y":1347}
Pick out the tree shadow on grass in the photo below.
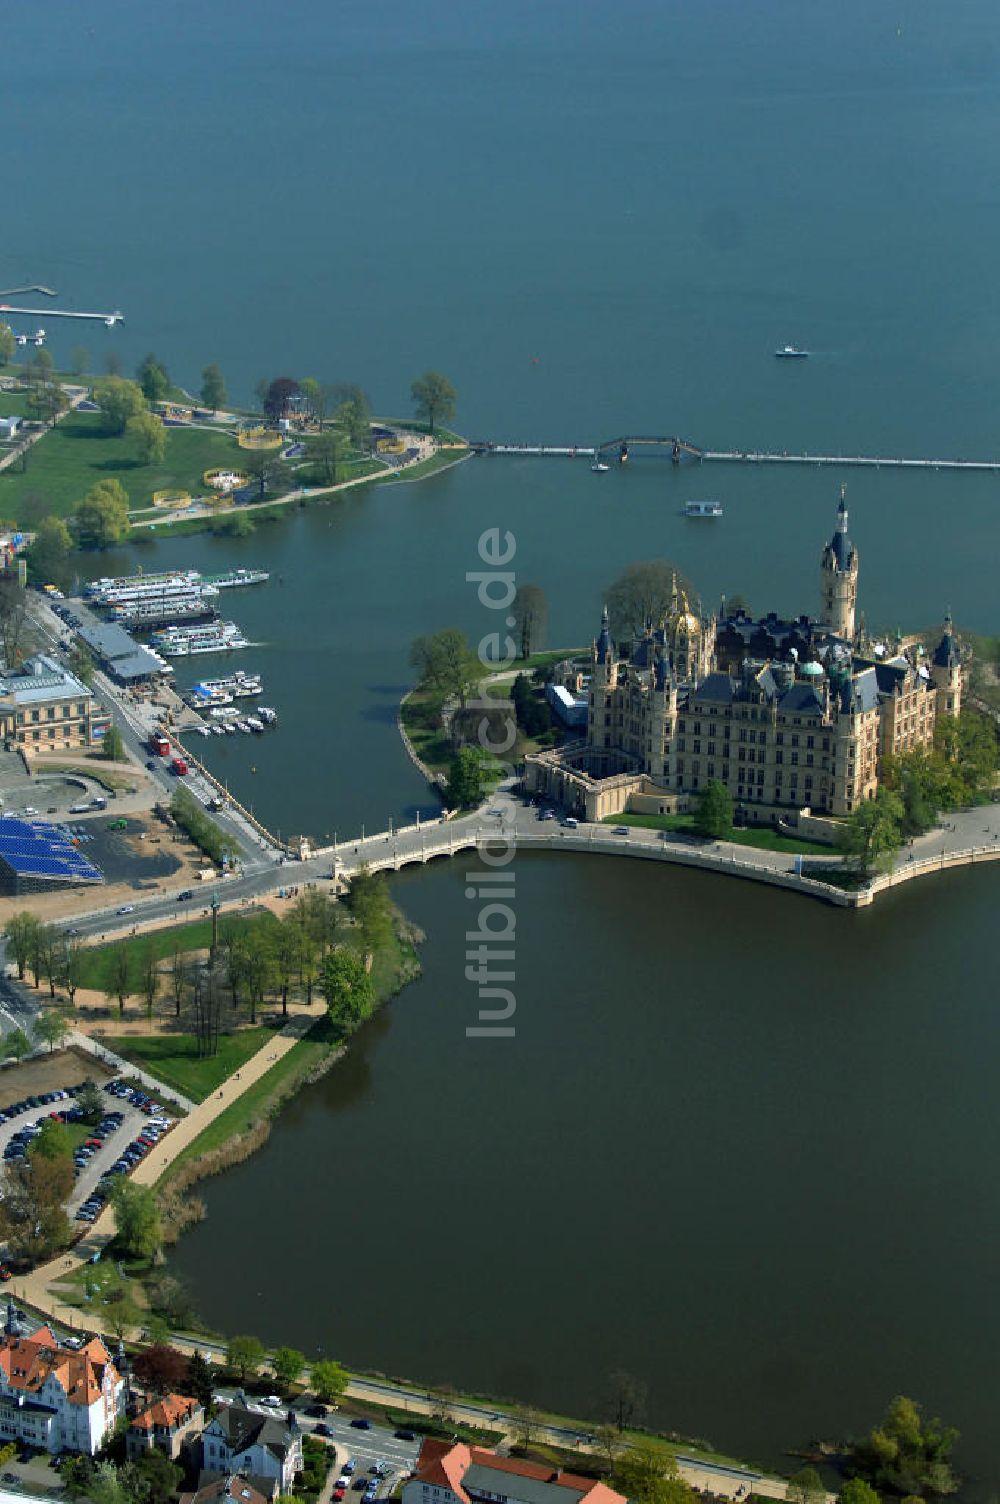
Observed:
{"x":118,"y":464}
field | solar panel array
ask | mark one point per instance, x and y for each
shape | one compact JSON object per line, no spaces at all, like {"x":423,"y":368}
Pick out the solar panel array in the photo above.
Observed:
{"x":30,"y":848}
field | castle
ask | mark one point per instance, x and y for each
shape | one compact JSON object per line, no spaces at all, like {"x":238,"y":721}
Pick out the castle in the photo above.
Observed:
{"x":791,"y":716}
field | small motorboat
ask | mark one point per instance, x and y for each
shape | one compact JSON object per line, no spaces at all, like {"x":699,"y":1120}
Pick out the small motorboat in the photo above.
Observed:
{"x":599,"y":467}
{"x":791,"y":352}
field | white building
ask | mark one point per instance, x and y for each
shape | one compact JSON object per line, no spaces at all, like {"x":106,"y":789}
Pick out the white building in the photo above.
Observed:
{"x":240,"y":1440}
{"x":55,"y":1398}
{"x":9,"y":426}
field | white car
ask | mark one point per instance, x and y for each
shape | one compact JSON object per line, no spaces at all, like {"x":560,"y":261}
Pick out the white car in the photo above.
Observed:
{"x":127,"y":908}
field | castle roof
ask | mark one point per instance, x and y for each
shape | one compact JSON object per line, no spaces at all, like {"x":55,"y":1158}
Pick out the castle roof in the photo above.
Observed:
{"x":840,"y":552}
{"x":946,"y":654}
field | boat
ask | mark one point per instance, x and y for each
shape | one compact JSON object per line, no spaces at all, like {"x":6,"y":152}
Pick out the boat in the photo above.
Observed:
{"x":235,"y":577}
{"x":267,"y":714}
{"x":229,"y":728}
{"x":599,"y":467}
{"x":703,"y":509}
{"x":216,"y":637}
{"x":791,"y":352}
{"x":218,"y":730}
{"x":254,"y":724}
{"x":223,"y":691}
{"x":203,"y":730}
{"x":243,"y":726}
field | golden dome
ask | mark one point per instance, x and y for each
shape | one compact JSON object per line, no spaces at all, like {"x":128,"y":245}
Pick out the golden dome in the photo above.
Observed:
{"x":683,"y":619}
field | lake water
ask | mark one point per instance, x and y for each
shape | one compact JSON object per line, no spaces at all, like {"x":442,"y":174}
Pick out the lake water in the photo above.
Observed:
{"x":747,"y":1152}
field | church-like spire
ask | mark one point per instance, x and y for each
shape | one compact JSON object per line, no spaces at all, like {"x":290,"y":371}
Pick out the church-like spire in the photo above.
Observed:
{"x":604,"y":641}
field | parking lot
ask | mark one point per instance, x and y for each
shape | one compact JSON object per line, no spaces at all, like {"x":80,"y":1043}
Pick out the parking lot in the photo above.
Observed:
{"x":100,"y":1154}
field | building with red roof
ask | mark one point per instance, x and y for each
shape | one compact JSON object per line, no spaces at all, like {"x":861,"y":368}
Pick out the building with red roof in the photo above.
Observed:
{"x":448,"y":1473}
{"x":57,"y":1398}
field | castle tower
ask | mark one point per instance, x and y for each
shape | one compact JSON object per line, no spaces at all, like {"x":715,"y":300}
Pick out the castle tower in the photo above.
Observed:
{"x":603,"y":686}
{"x":839,"y":578}
{"x":946,"y":672}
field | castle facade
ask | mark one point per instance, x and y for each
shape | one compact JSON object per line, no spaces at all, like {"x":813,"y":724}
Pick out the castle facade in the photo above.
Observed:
{"x":790,"y":715}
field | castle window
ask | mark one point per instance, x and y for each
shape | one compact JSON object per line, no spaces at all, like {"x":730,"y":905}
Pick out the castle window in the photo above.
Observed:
{"x":795,"y":740}
{"x":795,"y":759}
{"x":711,"y":749}
{"x":809,"y":741}
{"x":780,"y":739}
{"x":779,"y":756}
{"x":697,"y":746}
{"x":711,"y":770}
{"x":809,"y":758}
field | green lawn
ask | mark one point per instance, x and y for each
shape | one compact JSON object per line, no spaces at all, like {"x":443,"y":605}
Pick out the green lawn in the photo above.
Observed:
{"x":77,"y":453}
{"x":14,"y":402}
{"x":95,"y":965}
{"x":762,"y":837}
{"x":174,"y":1060}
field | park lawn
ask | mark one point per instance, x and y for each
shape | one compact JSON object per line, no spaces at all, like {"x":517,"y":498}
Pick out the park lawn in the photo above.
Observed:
{"x":14,"y":403}
{"x":763,"y":838}
{"x":174,"y":1059}
{"x":77,"y":453}
{"x":95,"y":961}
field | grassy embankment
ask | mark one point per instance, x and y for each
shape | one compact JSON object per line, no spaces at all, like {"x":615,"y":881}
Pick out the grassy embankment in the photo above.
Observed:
{"x":761,"y":837}
{"x":96,"y":961}
{"x":77,"y":453}
{"x":174,"y":1059}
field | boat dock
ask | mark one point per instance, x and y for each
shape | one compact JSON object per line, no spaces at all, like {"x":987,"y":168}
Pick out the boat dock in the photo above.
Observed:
{"x":678,"y":450}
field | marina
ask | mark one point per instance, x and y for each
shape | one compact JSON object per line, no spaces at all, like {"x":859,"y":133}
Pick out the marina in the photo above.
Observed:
{"x":208,"y":692}
{"x":187,"y":584}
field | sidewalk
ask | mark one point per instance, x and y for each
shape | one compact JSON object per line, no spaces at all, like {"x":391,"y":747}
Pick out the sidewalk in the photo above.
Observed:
{"x":128,"y":1068}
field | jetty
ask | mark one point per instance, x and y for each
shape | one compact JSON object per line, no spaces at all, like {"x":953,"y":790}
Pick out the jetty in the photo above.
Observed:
{"x":678,"y":450}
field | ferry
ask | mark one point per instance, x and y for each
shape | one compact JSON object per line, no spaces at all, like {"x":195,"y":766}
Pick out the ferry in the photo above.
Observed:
{"x":216,"y":637}
{"x":147,"y":615}
{"x":791,"y":352}
{"x":703,"y":509}
{"x":108,"y":584}
{"x":235,"y":577}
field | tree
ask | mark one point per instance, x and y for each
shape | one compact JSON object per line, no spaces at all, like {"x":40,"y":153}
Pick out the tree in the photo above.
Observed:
{"x":200,"y":1379}
{"x":104,"y":1486}
{"x":527,"y":1421}
{"x":150,"y":435}
{"x":102,"y":516}
{"x":113,"y":363}
{"x":39,"y":368}
{"x":137,"y":1217}
{"x":8,"y":344}
{"x":81,"y":663}
{"x":79,"y":360}
{"x":118,"y":400}
{"x":264,"y":469}
{"x":119,"y":985}
{"x":19,"y":933}
{"x":153,"y":379}
{"x":54,"y":1141}
{"x":643,"y":595}
{"x":649,"y":1475}
{"x":329,"y":1380}
{"x":626,"y":1399}
{"x":14,"y":623}
{"x":279,"y":397}
{"x":213,"y":388}
{"x":37,"y":946}
{"x":152,"y":1478}
{"x":180,"y":979}
{"x":288,"y":1364}
{"x":446,"y":664}
{"x":325,"y":451}
{"x":355,"y":418}
{"x":16,"y":1045}
{"x":33,"y":1223}
{"x":49,"y":552}
{"x":369,"y":902}
{"x":470,"y":777}
{"x":434,"y":398}
{"x":244,"y":1355}
{"x":805,"y":1487}
{"x":113,"y":747}
{"x":162,"y":1368}
{"x":90,"y":1102}
{"x":52,"y":1027}
{"x":908,"y":1454}
{"x":714,"y":815}
{"x":347,"y":988}
{"x":857,"y":1491}
{"x":149,"y":979}
{"x":47,"y":401}
{"x":70,"y":967}
{"x":609,"y":1442}
{"x":314,"y":395}
{"x":873,"y":832}
{"x":530,"y":610}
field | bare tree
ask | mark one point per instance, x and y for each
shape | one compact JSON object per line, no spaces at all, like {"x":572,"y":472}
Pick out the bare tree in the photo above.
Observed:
{"x":149,"y":980}
{"x":627,"y":1399}
{"x":180,"y":979}
{"x":530,"y":610}
{"x":119,"y":985}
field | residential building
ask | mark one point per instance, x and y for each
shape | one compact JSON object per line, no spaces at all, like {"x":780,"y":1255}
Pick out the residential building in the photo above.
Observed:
{"x":167,"y":1423}
{"x":448,"y":1473}
{"x":56,"y":1398}
{"x":243,"y":1440}
{"x":232,"y":1488}
{"x":794,"y":715}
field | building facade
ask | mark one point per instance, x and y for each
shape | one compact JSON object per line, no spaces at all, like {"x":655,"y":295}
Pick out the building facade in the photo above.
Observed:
{"x":448,"y":1473}
{"x":790,"y":715}
{"x":45,"y":708}
{"x":167,"y":1423}
{"x":238,"y":1440}
{"x":55,"y":1398}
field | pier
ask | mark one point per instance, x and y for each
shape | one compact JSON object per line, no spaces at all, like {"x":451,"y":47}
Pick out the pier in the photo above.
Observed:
{"x":676,"y":449}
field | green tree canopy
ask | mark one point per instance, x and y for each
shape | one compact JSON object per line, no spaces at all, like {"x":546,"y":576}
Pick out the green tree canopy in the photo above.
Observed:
{"x":152,"y":1478}
{"x":47,"y":401}
{"x":90,"y":1102}
{"x":16,"y":1045}
{"x":347,"y":988}
{"x":355,"y":417}
{"x":805,"y":1487}
{"x":471,"y":775}
{"x":857,"y":1491}
{"x":325,"y":451}
{"x":19,"y":933}
{"x":714,"y":814}
{"x":434,"y":398}
{"x":8,"y":344}
{"x":369,"y":901}
{"x":49,"y":552}
{"x":118,"y":400}
{"x":153,"y":379}
{"x":150,"y":436}
{"x":530,"y":610}
{"x":102,"y":516}
{"x":649,"y":1475}
{"x":288,"y":1365}
{"x":54,"y":1142}
{"x":33,"y":1223}
{"x":329,"y":1380}
{"x":873,"y":832}
{"x":52,"y":1026}
{"x":908,"y":1454}
{"x":644,"y":594}
{"x":112,"y":746}
{"x":446,"y":664}
{"x":137,"y":1218}
{"x":213,"y":388}
{"x":244,"y":1355}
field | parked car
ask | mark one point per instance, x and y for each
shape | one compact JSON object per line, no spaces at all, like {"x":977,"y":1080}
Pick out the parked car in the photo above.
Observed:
{"x":322,"y":1430}
{"x":127,"y":908}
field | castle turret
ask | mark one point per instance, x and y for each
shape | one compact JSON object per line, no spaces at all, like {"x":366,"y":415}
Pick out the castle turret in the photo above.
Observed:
{"x":946,"y":671}
{"x":839,"y":578}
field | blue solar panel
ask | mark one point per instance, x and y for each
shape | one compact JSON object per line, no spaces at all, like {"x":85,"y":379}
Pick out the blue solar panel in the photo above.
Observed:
{"x":34,"y":849}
